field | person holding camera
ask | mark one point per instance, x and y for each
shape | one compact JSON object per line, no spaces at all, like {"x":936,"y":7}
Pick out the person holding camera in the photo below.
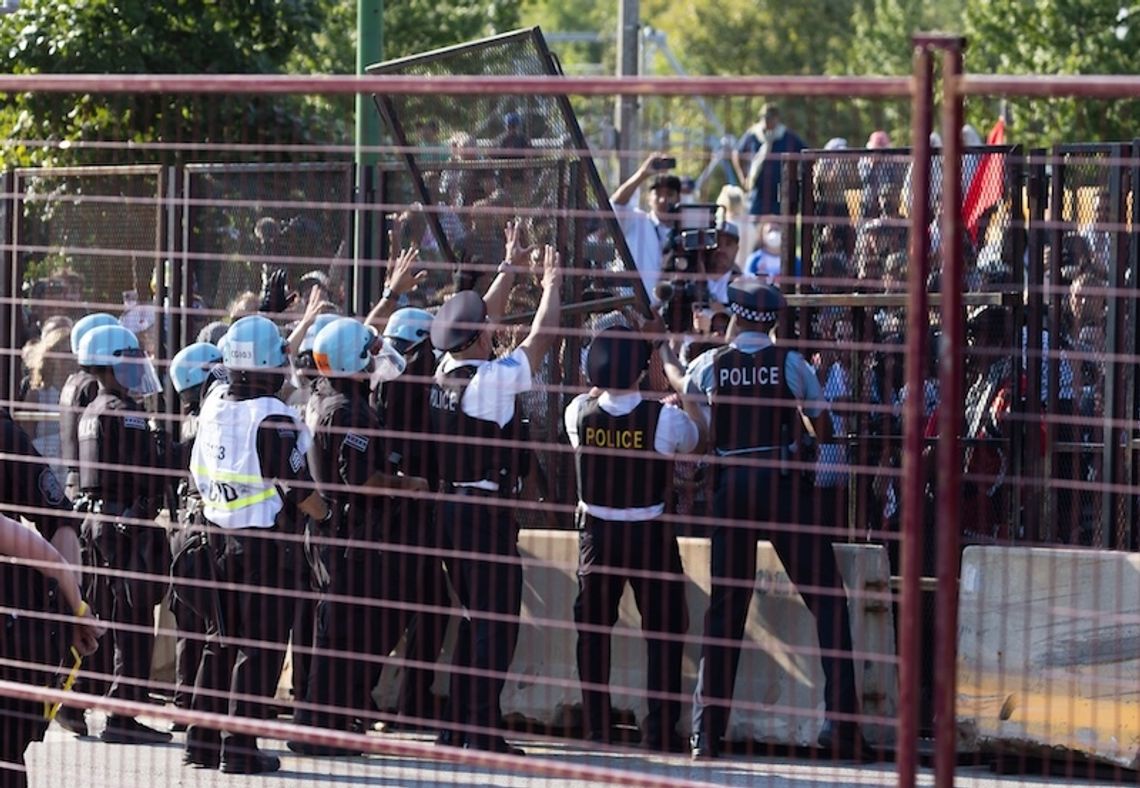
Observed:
{"x":648,"y":234}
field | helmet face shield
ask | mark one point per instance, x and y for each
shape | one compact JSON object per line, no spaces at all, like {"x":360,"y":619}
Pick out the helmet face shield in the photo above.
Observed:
{"x":134,"y":371}
{"x":388,"y":364}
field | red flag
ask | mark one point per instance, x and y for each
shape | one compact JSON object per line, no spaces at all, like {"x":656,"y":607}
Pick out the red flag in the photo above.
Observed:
{"x":988,"y":183}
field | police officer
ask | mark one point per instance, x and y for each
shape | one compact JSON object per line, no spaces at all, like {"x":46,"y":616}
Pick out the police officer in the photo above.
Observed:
{"x":350,"y":461}
{"x":480,"y":456}
{"x":121,"y":462}
{"x":755,"y":391}
{"x":622,"y":442}
{"x":78,"y":391}
{"x":80,"y":388}
{"x":402,"y":402}
{"x":30,"y":488}
{"x":40,"y":589}
{"x":249,"y":465}
{"x":194,"y":371}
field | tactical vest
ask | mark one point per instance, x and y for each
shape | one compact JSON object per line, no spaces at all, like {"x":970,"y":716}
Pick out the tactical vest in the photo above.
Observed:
{"x":78,"y":391}
{"x":617,"y":461}
{"x":403,"y":408}
{"x":114,"y":431}
{"x":338,"y":418}
{"x":225,"y":465}
{"x":478,"y":456}
{"x":752,"y":407}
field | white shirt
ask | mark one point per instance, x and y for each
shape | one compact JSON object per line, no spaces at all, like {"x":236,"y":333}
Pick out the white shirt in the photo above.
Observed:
{"x":645,"y":236}
{"x":675,"y":434}
{"x":490,"y":395}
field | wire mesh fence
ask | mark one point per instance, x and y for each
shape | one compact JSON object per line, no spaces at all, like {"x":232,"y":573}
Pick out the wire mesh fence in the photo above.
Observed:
{"x":612,"y":554}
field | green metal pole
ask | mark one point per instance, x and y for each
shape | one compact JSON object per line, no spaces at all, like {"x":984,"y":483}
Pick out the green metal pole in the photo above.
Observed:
{"x":369,"y":50}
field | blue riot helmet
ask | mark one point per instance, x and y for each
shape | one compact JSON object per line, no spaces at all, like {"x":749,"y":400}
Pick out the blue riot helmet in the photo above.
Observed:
{"x":345,"y":347}
{"x":87,"y":323}
{"x":192,"y":367}
{"x":407,"y":328}
{"x":254,"y":344}
{"x":305,"y":351}
{"x":116,"y":348}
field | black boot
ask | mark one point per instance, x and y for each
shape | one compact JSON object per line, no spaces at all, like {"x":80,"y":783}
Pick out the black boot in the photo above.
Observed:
{"x":241,"y":756}
{"x":128,"y":730}
{"x":203,"y":748}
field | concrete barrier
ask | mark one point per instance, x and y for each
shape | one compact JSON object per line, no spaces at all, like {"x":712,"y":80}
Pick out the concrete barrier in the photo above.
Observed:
{"x":1049,"y":651}
{"x":778,"y":667}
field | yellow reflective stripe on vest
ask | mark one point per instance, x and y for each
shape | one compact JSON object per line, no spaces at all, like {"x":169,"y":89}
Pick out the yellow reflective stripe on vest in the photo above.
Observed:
{"x":241,"y":503}
{"x":227,"y":476}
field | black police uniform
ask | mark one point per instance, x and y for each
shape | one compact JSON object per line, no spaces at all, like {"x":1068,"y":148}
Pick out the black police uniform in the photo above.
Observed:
{"x":258,"y":574}
{"x":114,"y":431}
{"x":612,"y":551}
{"x":29,"y":485}
{"x":347,"y":450}
{"x":79,"y":391}
{"x":189,"y":534}
{"x":486,"y":572}
{"x":404,"y":412}
{"x":27,"y":634}
{"x":753,"y":414}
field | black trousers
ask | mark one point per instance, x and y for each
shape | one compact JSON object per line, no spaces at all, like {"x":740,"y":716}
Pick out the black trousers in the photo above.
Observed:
{"x":374,"y":587}
{"x":127,"y":603}
{"x":190,"y":640}
{"x":427,"y":628}
{"x":487,"y":577}
{"x":40,"y":644}
{"x":646,"y":555}
{"x":743,"y":496}
{"x":244,"y":653}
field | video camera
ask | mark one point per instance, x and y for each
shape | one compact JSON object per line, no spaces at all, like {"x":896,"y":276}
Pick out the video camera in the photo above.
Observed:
{"x":682,"y":287}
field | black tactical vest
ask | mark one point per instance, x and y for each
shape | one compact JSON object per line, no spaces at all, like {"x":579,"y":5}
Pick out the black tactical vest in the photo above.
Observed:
{"x":478,"y":456}
{"x":114,"y":431}
{"x":617,"y":462}
{"x":342,"y":417}
{"x":78,"y":391}
{"x":403,"y":408}
{"x":752,"y":407}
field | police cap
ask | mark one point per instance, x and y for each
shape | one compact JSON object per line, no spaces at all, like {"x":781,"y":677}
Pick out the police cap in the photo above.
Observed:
{"x":616,"y":358}
{"x":458,"y":322}
{"x":751,"y":299}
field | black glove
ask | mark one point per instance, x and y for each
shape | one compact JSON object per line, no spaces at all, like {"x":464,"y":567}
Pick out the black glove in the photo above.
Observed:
{"x":273,"y":296}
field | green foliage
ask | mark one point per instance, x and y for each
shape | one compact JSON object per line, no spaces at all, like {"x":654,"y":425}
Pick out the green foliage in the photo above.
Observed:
{"x":174,"y":36}
{"x":1056,"y":37}
{"x":412,"y":26}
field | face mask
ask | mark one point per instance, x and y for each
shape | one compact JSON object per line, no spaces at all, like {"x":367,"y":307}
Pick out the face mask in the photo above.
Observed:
{"x":773,"y":239}
{"x":387,"y":365}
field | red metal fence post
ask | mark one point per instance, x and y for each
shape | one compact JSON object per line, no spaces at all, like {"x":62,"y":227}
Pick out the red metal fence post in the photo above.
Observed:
{"x":950,"y":419}
{"x":922,"y":112}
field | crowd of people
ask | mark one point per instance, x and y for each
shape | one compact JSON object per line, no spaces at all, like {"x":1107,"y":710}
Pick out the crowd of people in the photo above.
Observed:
{"x":333,"y":482}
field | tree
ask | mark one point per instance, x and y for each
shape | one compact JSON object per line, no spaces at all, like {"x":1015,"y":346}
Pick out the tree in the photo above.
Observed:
{"x":174,"y":36}
{"x":1056,"y":37}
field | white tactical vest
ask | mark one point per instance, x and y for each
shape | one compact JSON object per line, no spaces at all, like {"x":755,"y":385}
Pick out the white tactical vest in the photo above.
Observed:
{"x":225,"y":465}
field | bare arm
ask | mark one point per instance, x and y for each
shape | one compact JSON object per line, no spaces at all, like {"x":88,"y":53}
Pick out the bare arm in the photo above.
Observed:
{"x":381,"y":482}
{"x":690,"y":403}
{"x":515,"y":257}
{"x":313,"y":308}
{"x":401,"y":279}
{"x":24,"y":543}
{"x":738,"y":167}
{"x":624,"y":193}
{"x":548,"y":316}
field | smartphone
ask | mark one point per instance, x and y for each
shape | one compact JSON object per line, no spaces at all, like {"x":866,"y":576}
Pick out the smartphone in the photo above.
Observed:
{"x":664,"y":163}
